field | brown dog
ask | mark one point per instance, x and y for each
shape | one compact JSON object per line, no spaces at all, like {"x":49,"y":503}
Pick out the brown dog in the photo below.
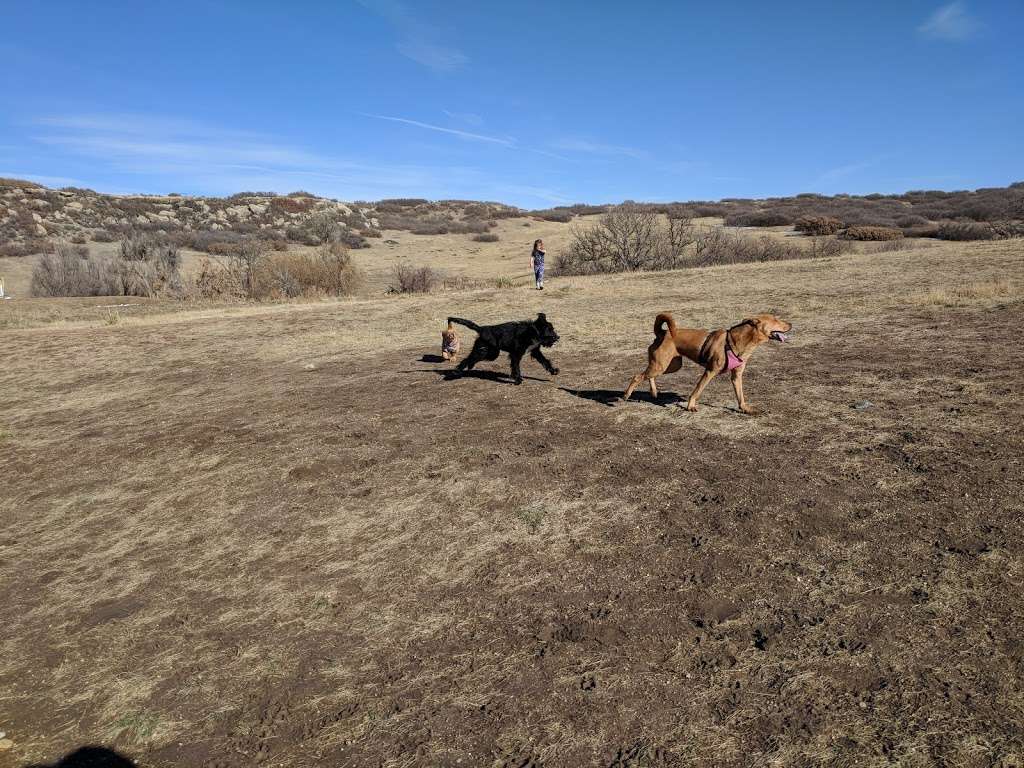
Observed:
{"x":450,"y":342}
{"x":715,"y":351}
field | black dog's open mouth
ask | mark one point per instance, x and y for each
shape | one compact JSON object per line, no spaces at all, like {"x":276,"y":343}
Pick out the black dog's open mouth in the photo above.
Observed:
{"x":778,"y":336}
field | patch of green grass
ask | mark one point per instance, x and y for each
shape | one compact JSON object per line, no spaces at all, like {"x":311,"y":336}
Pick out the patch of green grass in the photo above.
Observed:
{"x":5,"y":434}
{"x":137,"y":726}
{"x":532,"y":515}
{"x":504,"y":282}
{"x":321,"y":604}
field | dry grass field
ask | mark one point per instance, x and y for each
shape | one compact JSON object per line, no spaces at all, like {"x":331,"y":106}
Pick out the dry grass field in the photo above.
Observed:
{"x":279,"y":535}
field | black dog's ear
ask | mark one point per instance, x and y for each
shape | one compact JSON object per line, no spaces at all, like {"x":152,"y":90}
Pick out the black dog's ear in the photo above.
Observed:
{"x":542,"y":317}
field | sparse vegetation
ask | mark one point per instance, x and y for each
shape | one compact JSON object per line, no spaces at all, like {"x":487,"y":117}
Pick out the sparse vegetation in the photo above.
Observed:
{"x":410,"y":279}
{"x":74,"y":271}
{"x":715,"y":246}
{"x":965,"y":230}
{"x":531,"y":515}
{"x":759,"y":219}
{"x":486,"y":237}
{"x":137,"y":727}
{"x":818,"y":225}
{"x":872,"y":233}
{"x":627,"y":238}
{"x":253,"y":271}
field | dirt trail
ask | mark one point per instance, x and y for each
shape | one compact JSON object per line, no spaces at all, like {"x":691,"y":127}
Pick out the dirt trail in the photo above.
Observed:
{"x":213,"y":556}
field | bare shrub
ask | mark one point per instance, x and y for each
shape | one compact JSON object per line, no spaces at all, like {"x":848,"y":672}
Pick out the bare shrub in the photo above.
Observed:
{"x":716,"y":246}
{"x":818,"y":225}
{"x":627,"y":238}
{"x":30,"y":247}
{"x":759,"y":219}
{"x":680,"y":233}
{"x":135,"y":246}
{"x":73,"y":271}
{"x":560,"y":215}
{"x":410,"y":279}
{"x":891,"y":246}
{"x":922,"y":230}
{"x":871,"y":233}
{"x":826,"y":247}
{"x":351,"y":239}
{"x":16,"y":249}
{"x":219,"y":281}
{"x":253,"y":271}
{"x":965,"y":230}
{"x":399,"y":204}
{"x":247,"y":261}
{"x":324,"y":227}
{"x":302,"y":235}
{"x":486,"y":237}
{"x":1005,"y":229}
{"x":290,"y":205}
{"x":104,"y":236}
{"x":329,"y":271}
{"x":912,"y":220}
{"x":66,"y":273}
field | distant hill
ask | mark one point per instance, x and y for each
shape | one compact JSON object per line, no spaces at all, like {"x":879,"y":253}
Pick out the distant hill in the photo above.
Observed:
{"x":30,"y":213}
{"x":32,"y":216}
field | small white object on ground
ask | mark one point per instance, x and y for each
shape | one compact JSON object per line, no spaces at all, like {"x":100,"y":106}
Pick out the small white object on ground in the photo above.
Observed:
{"x":862,"y":405}
{"x":310,"y":366}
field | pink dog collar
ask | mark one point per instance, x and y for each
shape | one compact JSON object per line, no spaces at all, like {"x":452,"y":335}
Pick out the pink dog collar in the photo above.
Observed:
{"x":732,"y":360}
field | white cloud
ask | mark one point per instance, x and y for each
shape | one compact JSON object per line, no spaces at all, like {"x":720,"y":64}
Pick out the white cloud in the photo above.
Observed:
{"x":599,"y":148}
{"x":438,"y":57}
{"x":840,"y":172}
{"x":49,"y":181}
{"x":195,"y":155}
{"x":418,"y":40}
{"x":506,"y":141}
{"x":469,"y":118}
{"x":951,"y":22}
{"x":157,"y":154}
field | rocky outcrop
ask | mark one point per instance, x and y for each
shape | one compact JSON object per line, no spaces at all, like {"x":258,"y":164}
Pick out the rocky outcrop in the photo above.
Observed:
{"x":29,"y":211}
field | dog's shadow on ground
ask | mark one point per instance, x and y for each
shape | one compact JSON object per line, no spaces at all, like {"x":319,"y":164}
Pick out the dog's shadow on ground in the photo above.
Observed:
{"x":612,"y":397}
{"x":495,"y":376}
{"x":431,"y":359}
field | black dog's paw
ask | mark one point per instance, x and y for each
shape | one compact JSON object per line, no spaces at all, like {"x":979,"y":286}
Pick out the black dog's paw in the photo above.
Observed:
{"x":518,"y":381}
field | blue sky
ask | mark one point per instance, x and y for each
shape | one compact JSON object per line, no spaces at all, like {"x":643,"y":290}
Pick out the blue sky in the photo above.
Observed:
{"x":531,"y":103}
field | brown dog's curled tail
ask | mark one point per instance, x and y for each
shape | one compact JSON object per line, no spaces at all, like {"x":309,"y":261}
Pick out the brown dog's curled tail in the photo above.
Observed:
{"x":664,"y":317}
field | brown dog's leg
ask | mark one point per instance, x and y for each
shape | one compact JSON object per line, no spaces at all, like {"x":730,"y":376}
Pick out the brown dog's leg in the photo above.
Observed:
{"x":737,"y":385}
{"x":634,"y":383}
{"x":707,"y":376}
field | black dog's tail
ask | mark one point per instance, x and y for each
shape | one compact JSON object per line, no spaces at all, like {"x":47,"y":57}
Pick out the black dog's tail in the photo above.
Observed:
{"x":468,"y":323}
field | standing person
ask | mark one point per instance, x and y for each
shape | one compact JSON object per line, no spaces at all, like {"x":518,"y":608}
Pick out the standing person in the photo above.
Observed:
{"x":537,"y":263}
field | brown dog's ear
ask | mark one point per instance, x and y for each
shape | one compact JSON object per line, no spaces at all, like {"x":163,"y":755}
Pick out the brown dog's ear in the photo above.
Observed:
{"x":758,"y":325}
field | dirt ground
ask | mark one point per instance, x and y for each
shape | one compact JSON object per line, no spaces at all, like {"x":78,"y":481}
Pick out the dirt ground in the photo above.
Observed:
{"x":280,"y":536}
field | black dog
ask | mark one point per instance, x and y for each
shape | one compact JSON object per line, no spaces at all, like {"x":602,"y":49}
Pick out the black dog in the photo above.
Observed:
{"x":517,"y":338}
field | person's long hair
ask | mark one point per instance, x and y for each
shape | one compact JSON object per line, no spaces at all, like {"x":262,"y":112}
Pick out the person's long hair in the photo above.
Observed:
{"x":535,"y":243}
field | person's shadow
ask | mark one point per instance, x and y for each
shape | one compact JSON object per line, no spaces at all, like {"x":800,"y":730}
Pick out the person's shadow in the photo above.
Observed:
{"x":89,"y":757}
{"x":613,"y":397}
